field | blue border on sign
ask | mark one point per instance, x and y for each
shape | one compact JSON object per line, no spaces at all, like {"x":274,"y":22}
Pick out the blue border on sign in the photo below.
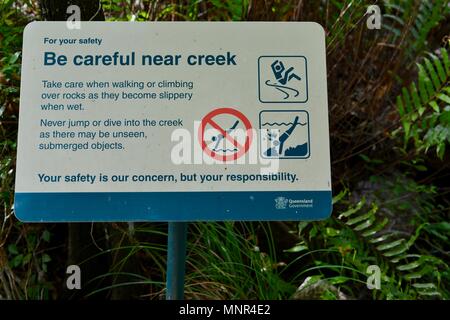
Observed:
{"x":169,"y":206}
{"x":283,"y":56}
{"x":309,"y":135}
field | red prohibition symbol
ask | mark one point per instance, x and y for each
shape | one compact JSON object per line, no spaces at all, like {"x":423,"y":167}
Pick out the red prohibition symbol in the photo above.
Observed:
{"x":239,"y":149}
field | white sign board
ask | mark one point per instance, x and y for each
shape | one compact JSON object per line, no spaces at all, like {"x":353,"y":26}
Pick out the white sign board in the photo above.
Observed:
{"x":173,"y":122}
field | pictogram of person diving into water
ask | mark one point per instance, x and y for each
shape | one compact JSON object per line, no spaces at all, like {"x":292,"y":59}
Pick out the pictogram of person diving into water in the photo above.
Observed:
{"x":279,"y":144}
{"x":220,"y":137}
{"x":283,"y":77}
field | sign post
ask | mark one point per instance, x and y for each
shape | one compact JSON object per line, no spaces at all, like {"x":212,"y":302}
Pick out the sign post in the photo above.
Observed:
{"x":176,"y":260}
{"x":173,"y":122}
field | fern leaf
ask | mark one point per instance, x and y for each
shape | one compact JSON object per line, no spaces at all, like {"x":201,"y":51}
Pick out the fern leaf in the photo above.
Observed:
{"x":366,"y":224}
{"x":351,"y":211}
{"x":397,"y":251}
{"x":410,"y":266}
{"x":433,"y":74}
{"x":407,"y":100}
{"x":374,"y":230}
{"x":433,"y":104}
{"x":363,"y":217}
{"x":423,"y":87}
{"x":444,"y":97}
{"x":446,"y":60}
{"x":405,"y":256}
{"x":415,"y":97}
{"x":390,"y":245}
{"x":440,"y":68}
{"x":381,"y":238}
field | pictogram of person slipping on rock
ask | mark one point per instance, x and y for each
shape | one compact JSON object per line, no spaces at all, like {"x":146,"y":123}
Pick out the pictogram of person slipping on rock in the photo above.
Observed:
{"x":283,"y":78}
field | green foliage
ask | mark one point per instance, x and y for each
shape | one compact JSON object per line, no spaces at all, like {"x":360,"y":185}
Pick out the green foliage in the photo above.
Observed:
{"x":16,"y":260}
{"x":29,"y":258}
{"x":415,"y":18}
{"x":224,"y":261}
{"x":126,"y":244}
{"x":234,"y":10}
{"x":228,"y":264}
{"x":384,"y":230}
{"x":345,"y":16}
{"x":389,"y":219}
{"x":10,"y":52}
{"x":393,"y":249}
{"x":191,"y":10}
{"x":424,"y":107}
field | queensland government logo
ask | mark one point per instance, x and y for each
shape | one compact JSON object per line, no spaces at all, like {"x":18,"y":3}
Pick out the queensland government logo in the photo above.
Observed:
{"x":281,"y":203}
{"x":284,"y":203}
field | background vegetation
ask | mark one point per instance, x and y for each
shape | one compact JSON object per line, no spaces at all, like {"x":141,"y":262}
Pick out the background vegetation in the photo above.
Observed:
{"x":389,"y":107}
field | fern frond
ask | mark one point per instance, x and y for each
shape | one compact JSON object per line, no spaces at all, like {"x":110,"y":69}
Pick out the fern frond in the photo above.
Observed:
{"x":417,"y":19}
{"x":422,"y":106}
{"x":412,"y":268}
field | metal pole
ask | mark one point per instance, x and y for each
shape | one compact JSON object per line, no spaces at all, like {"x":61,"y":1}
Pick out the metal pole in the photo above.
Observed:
{"x":176,"y":260}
